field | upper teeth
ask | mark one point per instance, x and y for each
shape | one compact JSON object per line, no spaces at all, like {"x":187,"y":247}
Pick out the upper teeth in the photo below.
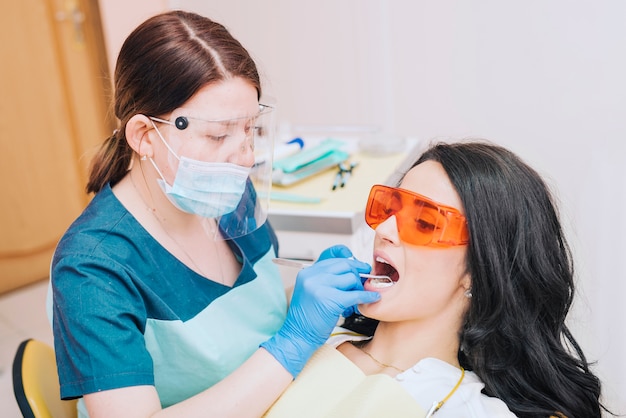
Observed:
{"x":381,"y":260}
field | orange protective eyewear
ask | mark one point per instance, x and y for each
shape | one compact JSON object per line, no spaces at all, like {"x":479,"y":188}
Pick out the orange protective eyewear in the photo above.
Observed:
{"x":420,"y":221}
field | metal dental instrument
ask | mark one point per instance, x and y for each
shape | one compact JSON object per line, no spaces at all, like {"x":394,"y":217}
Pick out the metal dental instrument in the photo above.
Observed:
{"x":377,"y":280}
{"x":344,"y":173}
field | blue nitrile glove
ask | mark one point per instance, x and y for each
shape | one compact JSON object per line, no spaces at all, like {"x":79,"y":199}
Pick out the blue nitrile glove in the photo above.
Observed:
{"x":336,"y":251}
{"x":322,"y":293}
{"x":343,"y":252}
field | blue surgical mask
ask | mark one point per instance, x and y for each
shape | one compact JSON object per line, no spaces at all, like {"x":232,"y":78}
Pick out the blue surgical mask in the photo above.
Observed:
{"x":207,"y":189}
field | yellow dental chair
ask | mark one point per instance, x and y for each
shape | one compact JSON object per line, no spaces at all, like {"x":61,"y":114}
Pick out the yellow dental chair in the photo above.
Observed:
{"x":36,"y":383}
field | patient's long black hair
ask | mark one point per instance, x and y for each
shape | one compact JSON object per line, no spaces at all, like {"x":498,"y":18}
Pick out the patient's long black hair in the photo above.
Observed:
{"x":514,"y":336}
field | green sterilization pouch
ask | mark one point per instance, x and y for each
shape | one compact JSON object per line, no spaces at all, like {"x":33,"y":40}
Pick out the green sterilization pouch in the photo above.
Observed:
{"x":308,"y":162}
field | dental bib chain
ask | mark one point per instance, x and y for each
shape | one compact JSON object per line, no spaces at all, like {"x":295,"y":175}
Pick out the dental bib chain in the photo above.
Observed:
{"x":436,"y":406}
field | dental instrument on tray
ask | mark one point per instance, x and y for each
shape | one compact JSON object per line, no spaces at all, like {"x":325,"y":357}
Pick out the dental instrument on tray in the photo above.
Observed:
{"x":375,"y":280}
{"x":347,"y":172}
{"x":343,"y":175}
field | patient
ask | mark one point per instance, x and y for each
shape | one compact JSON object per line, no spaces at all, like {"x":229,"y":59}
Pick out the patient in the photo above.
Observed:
{"x":474,"y":323}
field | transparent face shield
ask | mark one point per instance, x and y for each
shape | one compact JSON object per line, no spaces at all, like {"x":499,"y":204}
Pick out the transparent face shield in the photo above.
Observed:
{"x":228,"y":148}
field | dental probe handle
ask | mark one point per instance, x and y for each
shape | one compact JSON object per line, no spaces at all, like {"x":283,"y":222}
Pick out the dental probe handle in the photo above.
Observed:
{"x":301,"y":264}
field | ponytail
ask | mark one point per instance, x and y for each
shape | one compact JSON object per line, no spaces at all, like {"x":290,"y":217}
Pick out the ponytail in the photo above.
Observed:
{"x":111,"y":162}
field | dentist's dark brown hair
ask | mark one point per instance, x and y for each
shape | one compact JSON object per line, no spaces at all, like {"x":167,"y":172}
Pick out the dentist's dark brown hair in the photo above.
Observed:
{"x":162,"y":63}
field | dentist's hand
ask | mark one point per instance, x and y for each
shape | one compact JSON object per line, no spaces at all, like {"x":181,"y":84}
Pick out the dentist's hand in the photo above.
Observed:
{"x":322,"y":293}
{"x":337,"y":251}
{"x":340,"y":251}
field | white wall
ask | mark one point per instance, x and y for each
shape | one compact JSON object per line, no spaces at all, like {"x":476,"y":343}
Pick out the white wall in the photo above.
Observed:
{"x":120,"y":17}
{"x":544,"y":78}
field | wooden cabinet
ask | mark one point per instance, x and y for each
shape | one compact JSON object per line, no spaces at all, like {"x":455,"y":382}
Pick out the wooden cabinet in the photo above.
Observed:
{"x":54,"y":112}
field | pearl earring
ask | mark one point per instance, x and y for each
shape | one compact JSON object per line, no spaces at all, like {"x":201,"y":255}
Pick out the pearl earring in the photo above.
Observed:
{"x":468,"y":293}
{"x":144,"y":157}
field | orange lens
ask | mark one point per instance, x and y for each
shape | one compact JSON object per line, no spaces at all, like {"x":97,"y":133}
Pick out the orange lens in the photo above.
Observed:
{"x":420,"y":220}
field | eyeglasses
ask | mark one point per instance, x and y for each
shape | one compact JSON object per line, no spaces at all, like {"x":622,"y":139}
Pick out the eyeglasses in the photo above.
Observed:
{"x":420,"y":221}
{"x":218,"y":130}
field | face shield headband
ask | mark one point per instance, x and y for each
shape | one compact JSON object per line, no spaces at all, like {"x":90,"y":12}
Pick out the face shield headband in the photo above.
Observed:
{"x":420,"y":221}
{"x":235,"y":194}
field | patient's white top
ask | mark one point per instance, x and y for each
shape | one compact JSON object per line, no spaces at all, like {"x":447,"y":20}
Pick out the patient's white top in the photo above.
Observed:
{"x":431,"y":379}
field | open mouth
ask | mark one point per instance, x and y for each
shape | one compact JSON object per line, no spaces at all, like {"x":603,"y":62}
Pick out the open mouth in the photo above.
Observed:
{"x":383,"y":268}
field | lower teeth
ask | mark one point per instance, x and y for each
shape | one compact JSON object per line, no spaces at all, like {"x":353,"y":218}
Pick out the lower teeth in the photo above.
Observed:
{"x":380,"y":283}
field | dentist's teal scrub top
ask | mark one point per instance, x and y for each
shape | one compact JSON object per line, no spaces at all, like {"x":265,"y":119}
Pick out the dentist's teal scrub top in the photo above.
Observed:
{"x":126,"y":312}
